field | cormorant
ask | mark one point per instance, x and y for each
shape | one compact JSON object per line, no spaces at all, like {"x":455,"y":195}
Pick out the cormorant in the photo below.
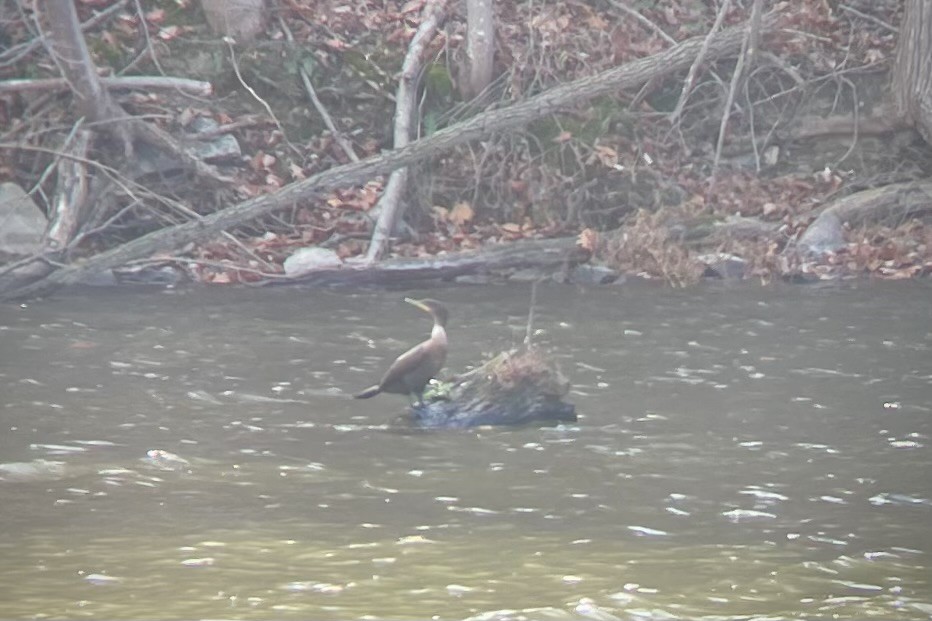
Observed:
{"x":412,"y":370}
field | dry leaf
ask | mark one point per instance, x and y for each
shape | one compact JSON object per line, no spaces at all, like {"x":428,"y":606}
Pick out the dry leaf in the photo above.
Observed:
{"x":607,"y":155}
{"x":518,"y":186}
{"x":588,"y":240}
{"x":564,"y":136}
{"x":156,"y":16}
{"x":336,"y":45}
{"x":412,"y":6}
{"x":296,"y":171}
{"x":170,"y":32}
{"x":461,"y":213}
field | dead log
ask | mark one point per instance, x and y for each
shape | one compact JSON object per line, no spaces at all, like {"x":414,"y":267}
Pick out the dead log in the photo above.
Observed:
{"x":889,"y":205}
{"x":514,"y":388}
{"x":542,"y":253}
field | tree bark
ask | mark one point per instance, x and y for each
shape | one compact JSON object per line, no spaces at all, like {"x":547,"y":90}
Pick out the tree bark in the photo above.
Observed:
{"x":912,"y":75}
{"x":480,"y":45}
{"x":69,"y":51}
{"x":625,"y":76}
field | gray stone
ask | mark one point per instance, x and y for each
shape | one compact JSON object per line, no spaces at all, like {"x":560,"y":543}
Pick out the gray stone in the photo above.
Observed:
{"x":217,"y":149}
{"x":22,"y":223}
{"x":824,"y":236}
{"x":587,"y":274}
{"x":723,"y":265}
{"x":304,"y":260}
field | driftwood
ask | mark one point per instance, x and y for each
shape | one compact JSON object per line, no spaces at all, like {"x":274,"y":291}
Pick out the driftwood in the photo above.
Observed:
{"x":390,"y":207}
{"x":543,"y":253}
{"x":628,"y":75}
{"x":891,"y":204}
{"x":514,"y":388}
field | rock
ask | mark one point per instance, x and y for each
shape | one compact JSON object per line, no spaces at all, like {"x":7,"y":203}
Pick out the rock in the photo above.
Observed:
{"x":242,"y":20}
{"x":587,"y":274}
{"x":214,"y":150}
{"x":304,"y":260}
{"x":824,"y":236}
{"x":22,"y":223}
{"x":217,"y":149}
{"x":723,"y":265}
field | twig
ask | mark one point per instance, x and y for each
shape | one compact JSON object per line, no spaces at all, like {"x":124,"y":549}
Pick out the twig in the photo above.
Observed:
{"x":345,"y":144}
{"x":243,"y":122}
{"x":751,"y":129}
{"x":855,"y":111}
{"x":206,"y":263}
{"x":247,"y":250}
{"x":144,"y":27}
{"x":529,"y":331}
{"x":870,"y":18}
{"x":694,"y":68}
{"x":748,"y":53}
{"x":15,"y":53}
{"x":643,"y":20}
{"x":255,"y":95}
{"x":197,"y":87}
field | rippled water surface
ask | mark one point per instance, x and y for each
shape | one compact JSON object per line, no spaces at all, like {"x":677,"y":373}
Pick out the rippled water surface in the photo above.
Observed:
{"x":740,"y":454}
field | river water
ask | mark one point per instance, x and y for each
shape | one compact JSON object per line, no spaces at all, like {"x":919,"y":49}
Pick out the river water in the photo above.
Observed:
{"x":740,"y":453}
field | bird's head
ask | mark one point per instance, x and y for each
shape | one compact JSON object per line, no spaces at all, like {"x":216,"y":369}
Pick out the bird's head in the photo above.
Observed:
{"x":437,"y":310}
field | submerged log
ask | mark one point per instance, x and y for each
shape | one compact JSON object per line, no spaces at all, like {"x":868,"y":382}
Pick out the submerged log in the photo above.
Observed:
{"x":514,"y":388}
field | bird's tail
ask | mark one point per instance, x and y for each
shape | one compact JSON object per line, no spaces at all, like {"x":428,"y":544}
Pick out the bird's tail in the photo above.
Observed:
{"x":371,"y":391}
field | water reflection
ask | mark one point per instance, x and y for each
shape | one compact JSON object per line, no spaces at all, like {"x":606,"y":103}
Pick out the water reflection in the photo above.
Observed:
{"x":741,"y":454}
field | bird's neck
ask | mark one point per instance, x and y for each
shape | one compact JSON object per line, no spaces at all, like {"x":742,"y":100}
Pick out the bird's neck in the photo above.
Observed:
{"x":438,"y":333}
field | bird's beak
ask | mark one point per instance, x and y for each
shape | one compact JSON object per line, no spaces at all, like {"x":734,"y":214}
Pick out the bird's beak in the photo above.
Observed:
{"x":419,"y":304}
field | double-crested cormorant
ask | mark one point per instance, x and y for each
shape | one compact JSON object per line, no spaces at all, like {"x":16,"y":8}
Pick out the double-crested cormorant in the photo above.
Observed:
{"x":410,"y":373}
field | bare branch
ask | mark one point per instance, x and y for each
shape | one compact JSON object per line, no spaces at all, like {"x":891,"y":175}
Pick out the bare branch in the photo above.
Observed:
{"x":748,"y":54}
{"x":389,"y":208}
{"x":194,"y":87}
{"x":700,"y":57}
{"x":345,"y":144}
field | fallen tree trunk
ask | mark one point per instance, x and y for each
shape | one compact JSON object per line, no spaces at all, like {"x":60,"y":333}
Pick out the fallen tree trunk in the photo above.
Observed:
{"x":543,"y":253}
{"x":628,"y":75}
{"x":890,"y":204}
